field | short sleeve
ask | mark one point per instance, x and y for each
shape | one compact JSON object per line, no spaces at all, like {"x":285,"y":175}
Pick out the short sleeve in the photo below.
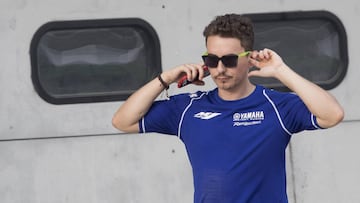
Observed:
{"x":294,"y":113}
{"x":164,"y":115}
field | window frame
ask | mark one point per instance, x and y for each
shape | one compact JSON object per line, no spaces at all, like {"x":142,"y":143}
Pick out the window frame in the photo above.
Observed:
{"x":308,"y":15}
{"x":90,"y":24}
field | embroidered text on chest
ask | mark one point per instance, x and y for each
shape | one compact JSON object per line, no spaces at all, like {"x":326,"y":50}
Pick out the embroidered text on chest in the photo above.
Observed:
{"x":248,"y":118}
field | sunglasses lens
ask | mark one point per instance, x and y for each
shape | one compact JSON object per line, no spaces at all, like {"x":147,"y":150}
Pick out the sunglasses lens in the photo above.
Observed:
{"x":211,"y":61}
{"x":229,"y":60}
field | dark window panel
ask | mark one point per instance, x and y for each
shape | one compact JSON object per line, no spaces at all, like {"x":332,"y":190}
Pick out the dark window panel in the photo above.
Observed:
{"x":93,"y":61}
{"x":313,"y":43}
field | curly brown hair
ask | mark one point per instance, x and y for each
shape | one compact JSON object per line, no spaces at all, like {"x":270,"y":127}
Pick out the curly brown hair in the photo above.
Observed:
{"x":233,"y":26}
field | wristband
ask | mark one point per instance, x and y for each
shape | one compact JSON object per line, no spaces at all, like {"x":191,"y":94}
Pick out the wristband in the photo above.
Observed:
{"x":163,"y":82}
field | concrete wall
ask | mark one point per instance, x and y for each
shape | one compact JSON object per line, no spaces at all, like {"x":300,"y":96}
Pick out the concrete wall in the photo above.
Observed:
{"x":86,"y":160}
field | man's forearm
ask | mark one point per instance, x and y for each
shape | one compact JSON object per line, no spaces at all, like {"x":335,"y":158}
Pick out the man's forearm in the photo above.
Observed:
{"x":135,"y":107}
{"x":322,"y":104}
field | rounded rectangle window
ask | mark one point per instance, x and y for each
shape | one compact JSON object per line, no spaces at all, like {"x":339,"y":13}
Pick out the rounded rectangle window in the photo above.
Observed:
{"x":93,"y":60}
{"x":312,"y":43}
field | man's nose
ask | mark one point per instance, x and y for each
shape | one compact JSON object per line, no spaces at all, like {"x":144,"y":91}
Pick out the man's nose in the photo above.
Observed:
{"x":220,"y":67}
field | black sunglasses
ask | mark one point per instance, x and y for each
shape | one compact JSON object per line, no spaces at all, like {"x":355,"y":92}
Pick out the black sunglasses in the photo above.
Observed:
{"x":229,"y":61}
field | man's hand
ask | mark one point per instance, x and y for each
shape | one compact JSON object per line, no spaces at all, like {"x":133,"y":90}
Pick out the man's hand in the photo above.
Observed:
{"x":193,"y":72}
{"x":268,"y":62}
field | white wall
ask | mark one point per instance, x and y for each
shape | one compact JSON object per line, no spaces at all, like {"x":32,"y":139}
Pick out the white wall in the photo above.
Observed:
{"x":322,"y":165}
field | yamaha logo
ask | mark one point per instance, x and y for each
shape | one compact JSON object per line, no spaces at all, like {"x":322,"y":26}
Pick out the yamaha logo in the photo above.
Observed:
{"x":248,"y":118}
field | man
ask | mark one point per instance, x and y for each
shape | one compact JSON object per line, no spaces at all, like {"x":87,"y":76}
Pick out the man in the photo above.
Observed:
{"x":236,"y":134}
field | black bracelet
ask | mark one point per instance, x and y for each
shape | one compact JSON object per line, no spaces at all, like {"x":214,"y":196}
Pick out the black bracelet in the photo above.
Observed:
{"x":163,"y":82}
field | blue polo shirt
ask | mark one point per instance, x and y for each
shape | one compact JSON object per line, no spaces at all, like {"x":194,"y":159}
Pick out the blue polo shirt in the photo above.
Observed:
{"x":236,"y":148}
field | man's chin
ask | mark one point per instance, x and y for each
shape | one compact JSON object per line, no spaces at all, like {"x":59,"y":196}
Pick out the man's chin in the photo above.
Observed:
{"x":224,"y":85}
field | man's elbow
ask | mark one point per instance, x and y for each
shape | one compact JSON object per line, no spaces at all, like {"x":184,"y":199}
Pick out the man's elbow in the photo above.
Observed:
{"x":336,"y":117}
{"x":122,"y":126}
{"x":117,"y":123}
{"x":339,"y":116}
